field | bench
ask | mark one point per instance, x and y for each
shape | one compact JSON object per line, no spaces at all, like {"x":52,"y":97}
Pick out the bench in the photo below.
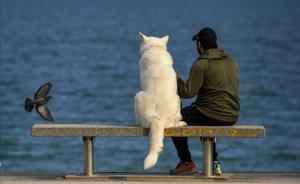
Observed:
{"x":90,"y":131}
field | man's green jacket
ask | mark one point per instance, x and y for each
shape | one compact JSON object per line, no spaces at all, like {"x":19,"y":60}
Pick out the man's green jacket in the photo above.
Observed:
{"x":214,"y":78}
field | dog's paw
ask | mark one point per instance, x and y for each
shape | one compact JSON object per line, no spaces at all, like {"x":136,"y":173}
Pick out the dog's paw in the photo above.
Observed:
{"x":181,"y":124}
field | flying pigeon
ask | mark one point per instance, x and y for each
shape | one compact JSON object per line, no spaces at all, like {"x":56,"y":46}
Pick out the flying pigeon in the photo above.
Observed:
{"x":40,"y":102}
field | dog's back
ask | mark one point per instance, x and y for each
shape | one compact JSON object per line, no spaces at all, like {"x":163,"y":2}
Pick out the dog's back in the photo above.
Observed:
{"x":156,"y":67}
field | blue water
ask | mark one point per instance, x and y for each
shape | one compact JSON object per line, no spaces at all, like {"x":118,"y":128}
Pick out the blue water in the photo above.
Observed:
{"x":89,"y":50}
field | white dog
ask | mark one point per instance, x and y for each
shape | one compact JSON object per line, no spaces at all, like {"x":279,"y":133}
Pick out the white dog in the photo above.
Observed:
{"x":157,"y":105}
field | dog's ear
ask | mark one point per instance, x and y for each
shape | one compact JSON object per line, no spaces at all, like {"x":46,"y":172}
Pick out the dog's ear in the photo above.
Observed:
{"x":143,"y":37}
{"x":165,"y":39}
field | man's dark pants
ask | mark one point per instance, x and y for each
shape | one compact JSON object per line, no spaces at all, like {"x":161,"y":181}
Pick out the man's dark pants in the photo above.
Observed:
{"x":193,"y":117}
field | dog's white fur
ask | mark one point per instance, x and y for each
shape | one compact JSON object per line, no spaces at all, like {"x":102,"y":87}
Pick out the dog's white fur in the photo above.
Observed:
{"x":157,"y":105}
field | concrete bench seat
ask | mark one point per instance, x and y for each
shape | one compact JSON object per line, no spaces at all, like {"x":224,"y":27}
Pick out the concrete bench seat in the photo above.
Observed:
{"x":90,"y":131}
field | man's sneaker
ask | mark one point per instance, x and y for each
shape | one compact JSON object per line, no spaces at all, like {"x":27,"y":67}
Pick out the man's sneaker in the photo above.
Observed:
{"x":184,"y":169}
{"x":217,"y":168}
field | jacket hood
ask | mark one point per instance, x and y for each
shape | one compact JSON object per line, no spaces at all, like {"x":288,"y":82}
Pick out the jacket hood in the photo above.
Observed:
{"x":213,"y":54}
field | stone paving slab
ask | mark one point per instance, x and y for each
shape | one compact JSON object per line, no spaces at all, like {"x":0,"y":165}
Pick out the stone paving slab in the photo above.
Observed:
{"x":145,"y":178}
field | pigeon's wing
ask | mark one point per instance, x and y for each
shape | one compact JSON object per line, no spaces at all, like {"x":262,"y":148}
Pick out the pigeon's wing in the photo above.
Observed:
{"x":44,"y":112}
{"x":43,"y":90}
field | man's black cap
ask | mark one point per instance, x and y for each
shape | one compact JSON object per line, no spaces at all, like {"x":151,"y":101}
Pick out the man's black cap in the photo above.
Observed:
{"x":206,"y":35}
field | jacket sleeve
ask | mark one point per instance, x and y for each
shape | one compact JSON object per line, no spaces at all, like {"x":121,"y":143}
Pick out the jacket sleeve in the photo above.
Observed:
{"x":191,"y":87}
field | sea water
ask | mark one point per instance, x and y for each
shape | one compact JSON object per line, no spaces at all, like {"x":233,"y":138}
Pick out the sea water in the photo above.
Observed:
{"x":89,"y":51}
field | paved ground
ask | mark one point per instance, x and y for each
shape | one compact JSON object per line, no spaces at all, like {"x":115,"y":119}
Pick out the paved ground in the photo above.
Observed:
{"x":140,"y":178}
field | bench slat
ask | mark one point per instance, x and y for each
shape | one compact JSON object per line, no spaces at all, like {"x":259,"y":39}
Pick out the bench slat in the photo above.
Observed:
{"x":89,"y":130}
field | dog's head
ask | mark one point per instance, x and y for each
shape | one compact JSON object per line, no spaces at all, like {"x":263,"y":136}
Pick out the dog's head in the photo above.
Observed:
{"x":148,"y":42}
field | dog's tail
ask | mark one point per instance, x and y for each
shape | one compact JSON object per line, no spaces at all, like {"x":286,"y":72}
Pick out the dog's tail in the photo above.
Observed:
{"x":156,"y":137}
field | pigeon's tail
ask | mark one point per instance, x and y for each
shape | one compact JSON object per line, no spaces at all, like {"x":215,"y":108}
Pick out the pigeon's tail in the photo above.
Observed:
{"x":28,"y":105}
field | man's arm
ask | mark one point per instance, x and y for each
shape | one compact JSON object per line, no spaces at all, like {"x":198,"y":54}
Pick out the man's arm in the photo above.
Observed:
{"x":194,"y":82}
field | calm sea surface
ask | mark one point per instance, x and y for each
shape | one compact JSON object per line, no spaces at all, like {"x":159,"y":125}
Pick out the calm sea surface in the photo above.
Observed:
{"x":89,"y":50}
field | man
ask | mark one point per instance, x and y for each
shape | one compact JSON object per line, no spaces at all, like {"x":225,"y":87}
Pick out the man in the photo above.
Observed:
{"x":214,"y":78}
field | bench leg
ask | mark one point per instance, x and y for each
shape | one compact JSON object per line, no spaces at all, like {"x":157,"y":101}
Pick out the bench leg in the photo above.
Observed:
{"x":88,"y":156}
{"x":207,"y":156}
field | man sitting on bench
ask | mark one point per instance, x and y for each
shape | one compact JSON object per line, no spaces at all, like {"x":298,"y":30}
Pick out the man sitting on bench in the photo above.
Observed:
{"x":214,"y":78}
